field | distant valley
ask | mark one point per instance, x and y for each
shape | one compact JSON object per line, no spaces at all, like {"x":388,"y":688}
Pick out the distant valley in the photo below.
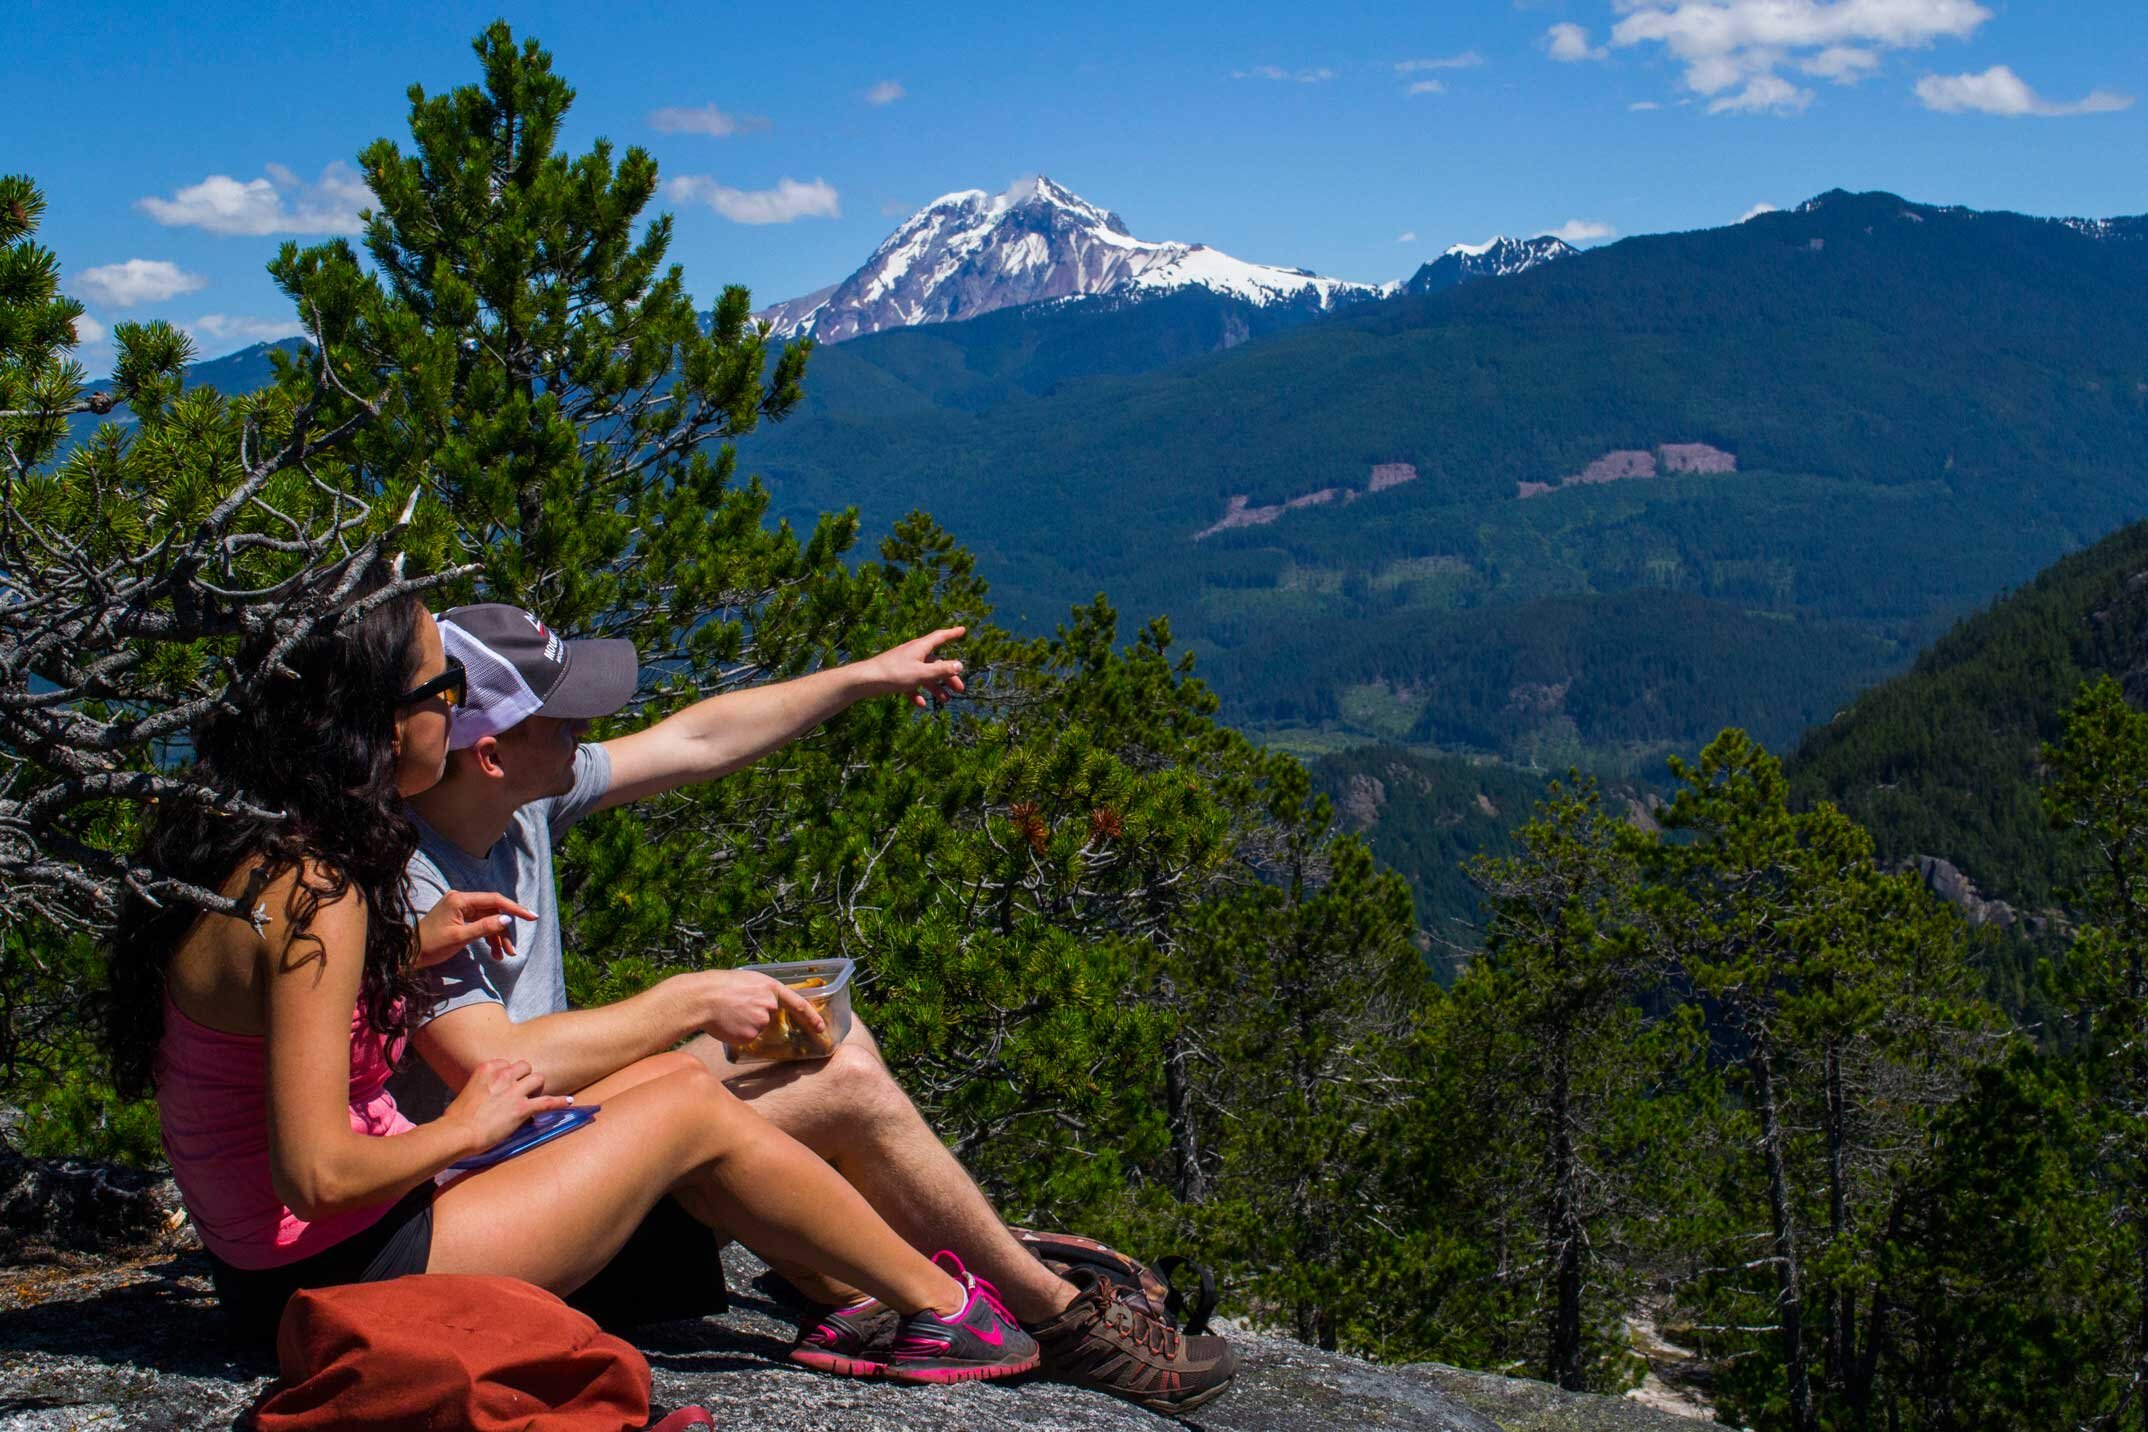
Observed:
{"x":1731,"y":476}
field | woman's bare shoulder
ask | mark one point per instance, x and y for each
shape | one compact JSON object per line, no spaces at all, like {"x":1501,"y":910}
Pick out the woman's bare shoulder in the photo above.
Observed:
{"x":291,"y":916}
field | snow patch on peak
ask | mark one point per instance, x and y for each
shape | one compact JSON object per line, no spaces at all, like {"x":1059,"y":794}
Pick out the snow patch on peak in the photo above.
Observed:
{"x":1479,"y":250}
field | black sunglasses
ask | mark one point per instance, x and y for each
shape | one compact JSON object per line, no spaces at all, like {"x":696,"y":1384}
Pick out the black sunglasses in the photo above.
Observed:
{"x":454,"y":683}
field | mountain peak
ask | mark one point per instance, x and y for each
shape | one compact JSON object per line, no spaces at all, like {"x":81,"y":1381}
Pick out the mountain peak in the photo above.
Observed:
{"x":970,"y":252}
{"x":1497,"y":257}
{"x":1479,"y":250}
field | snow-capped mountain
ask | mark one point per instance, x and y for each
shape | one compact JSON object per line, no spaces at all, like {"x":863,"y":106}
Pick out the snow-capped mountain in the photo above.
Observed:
{"x":1496,"y":257}
{"x":969,"y":253}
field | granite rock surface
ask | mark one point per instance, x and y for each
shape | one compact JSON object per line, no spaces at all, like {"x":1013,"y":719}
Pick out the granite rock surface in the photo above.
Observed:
{"x":136,"y":1343}
{"x":97,"y":1338}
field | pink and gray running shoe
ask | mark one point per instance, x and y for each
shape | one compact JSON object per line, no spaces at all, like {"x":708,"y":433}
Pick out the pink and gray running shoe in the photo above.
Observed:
{"x":856,"y":1341}
{"x":982,"y":1341}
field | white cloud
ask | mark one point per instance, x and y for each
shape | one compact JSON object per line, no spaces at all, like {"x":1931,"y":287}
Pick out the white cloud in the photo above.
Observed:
{"x":789,"y":200}
{"x":707,"y":119}
{"x":1583,"y":231}
{"x":1277,"y":72}
{"x":279,"y":203}
{"x":1408,"y":238}
{"x":1641,"y":105}
{"x":231,"y":328}
{"x":886,"y":92}
{"x":1468,"y":59}
{"x":1567,"y":42}
{"x":1756,"y":211}
{"x":1733,"y":50}
{"x":137,"y":281}
{"x":88,"y":330}
{"x":2000,"y":91}
{"x":1426,"y":87}
{"x":1763,"y":93}
{"x":895,"y":208}
{"x":1844,"y":64}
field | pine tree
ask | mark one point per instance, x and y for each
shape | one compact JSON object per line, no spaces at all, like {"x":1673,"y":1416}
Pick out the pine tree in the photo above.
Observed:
{"x":1571,"y":1079}
{"x":1302,"y":994}
{"x":1842,"y":996}
{"x":562,"y":393}
{"x":2099,"y":791}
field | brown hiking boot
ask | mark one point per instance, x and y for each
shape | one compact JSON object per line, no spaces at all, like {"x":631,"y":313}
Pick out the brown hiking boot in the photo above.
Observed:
{"x":1102,"y":1343}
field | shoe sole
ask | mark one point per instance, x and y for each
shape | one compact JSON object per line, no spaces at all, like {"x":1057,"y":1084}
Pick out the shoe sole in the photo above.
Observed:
{"x":837,"y":1364}
{"x":959,"y":1371}
{"x":1166,"y":1405}
{"x":1171,"y":1407}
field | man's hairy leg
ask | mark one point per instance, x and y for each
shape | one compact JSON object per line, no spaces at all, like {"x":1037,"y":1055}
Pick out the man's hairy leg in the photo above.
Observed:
{"x":848,"y":1109}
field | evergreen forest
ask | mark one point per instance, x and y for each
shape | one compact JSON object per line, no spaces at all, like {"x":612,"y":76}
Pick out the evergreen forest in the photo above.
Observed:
{"x":1699,"y":1057}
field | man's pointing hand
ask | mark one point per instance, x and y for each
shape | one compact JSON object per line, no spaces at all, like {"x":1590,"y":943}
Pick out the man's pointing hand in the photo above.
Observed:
{"x":913,"y":668}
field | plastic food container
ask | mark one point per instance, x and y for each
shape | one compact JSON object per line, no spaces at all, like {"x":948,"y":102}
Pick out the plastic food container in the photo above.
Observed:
{"x":827,"y":984}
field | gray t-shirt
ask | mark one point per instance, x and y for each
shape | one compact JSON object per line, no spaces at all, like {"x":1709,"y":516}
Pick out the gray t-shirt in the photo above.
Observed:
{"x":533,"y":980}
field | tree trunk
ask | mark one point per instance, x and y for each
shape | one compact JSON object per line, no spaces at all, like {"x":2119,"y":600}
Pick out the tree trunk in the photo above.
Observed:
{"x":1863,"y":1361}
{"x":1562,"y":1231}
{"x":2139,"y":1218}
{"x":1838,"y":1309}
{"x":2137,"y":1100}
{"x":1191,"y":1184}
{"x":1790,"y":1312}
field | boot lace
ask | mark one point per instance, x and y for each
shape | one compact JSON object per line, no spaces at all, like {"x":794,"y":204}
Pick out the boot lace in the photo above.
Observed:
{"x":1150,"y":1333}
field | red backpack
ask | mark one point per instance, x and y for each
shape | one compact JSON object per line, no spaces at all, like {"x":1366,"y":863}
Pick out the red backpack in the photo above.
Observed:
{"x":1150,"y":1289}
{"x":452,"y":1351}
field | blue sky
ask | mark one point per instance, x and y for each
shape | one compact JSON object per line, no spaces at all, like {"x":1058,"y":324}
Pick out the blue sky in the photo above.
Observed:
{"x":179,"y":145}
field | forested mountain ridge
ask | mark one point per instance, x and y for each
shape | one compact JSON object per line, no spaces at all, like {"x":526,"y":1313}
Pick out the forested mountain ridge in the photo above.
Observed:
{"x":1946,"y":759}
{"x":1922,"y":405}
{"x":1030,"y":350}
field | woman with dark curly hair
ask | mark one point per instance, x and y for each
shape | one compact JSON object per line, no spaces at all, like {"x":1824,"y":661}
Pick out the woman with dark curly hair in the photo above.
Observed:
{"x":269,"y":1044}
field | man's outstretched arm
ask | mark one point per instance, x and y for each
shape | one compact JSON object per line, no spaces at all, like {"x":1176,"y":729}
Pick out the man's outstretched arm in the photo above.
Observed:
{"x":729,"y":732}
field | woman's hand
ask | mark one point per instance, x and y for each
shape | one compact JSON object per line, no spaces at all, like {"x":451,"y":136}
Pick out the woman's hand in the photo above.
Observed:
{"x":463,"y":917}
{"x":742,"y":1002}
{"x":502,"y":1095}
{"x":911,"y":667}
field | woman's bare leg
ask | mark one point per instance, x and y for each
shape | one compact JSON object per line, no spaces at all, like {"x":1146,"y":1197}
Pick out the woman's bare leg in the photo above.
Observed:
{"x":641,"y":1071}
{"x":557,"y":1214}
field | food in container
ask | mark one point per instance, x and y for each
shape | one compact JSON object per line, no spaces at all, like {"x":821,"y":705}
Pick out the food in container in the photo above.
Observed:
{"x":827,"y":984}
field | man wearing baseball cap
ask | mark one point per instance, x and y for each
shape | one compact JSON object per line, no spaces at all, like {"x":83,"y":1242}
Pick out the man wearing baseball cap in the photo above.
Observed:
{"x":518,"y":776}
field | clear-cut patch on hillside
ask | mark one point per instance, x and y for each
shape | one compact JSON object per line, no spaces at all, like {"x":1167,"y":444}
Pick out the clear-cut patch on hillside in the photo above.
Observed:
{"x":1628,"y":464}
{"x":1238,"y":510}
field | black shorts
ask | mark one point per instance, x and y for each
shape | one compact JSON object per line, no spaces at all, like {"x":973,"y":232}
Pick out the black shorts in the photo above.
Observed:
{"x":670,"y":1267}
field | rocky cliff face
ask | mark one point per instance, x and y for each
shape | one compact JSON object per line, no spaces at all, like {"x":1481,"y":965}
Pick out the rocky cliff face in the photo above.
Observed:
{"x":1946,"y":880}
{"x":971,"y":252}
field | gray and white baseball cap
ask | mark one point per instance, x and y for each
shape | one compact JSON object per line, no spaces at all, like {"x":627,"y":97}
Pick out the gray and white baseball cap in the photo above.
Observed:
{"x":519,"y":668}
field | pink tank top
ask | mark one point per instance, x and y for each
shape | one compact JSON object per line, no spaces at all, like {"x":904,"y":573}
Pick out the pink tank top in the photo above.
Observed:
{"x":212,"y":1091}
